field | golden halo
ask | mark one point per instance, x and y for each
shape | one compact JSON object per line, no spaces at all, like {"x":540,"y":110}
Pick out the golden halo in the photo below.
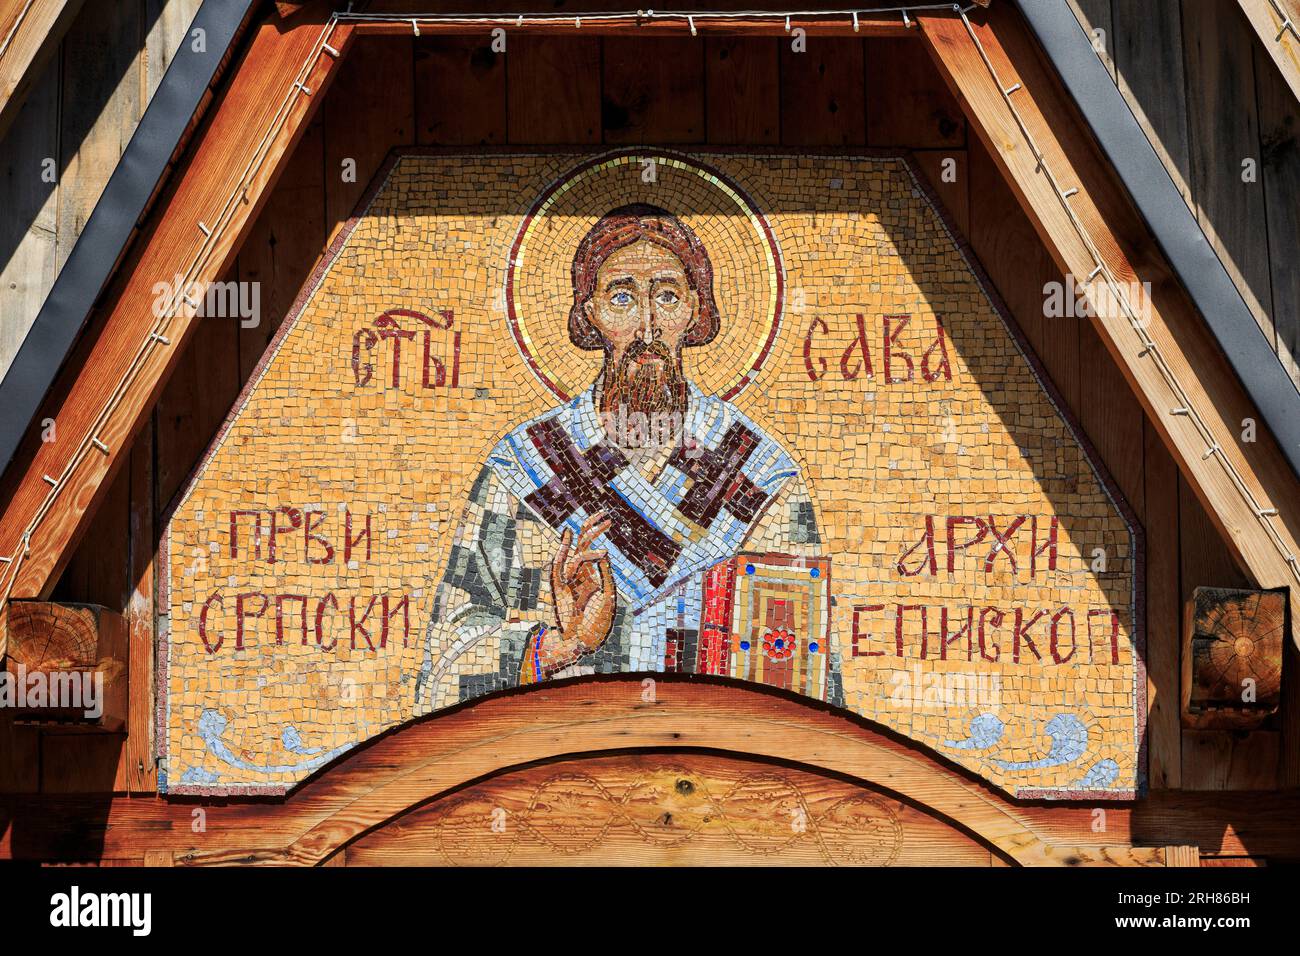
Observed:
{"x":748,"y":274}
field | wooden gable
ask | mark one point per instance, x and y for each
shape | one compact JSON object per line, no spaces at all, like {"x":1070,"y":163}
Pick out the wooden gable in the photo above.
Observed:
{"x":260,"y":206}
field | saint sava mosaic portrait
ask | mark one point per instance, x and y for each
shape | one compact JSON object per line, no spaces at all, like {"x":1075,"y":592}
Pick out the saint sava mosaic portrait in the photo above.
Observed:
{"x":747,"y":417}
{"x":677,"y":482}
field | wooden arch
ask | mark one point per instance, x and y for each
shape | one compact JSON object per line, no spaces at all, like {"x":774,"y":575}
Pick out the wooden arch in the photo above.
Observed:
{"x":424,"y":760}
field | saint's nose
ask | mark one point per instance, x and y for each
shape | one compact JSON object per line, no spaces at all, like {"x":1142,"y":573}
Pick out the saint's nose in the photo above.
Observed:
{"x":650,"y":329}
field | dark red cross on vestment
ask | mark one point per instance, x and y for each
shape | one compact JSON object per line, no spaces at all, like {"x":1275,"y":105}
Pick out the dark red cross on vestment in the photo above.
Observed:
{"x":717,"y":481}
{"x":582,"y":480}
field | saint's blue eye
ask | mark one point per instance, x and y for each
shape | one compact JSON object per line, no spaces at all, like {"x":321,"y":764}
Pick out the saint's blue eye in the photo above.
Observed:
{"x":621,"y":298}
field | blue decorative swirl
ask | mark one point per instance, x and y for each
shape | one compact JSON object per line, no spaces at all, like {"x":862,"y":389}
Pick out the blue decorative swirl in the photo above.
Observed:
{"x":212,"y":727}
{"x":1069,"y":742}
{"x":1101,"y":776}
{"x":197,"y":775}
{"x":985,"y":731}
{"x":292,"y":741}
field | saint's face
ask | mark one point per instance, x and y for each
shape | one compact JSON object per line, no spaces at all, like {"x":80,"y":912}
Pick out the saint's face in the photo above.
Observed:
{"x":642,"y":293}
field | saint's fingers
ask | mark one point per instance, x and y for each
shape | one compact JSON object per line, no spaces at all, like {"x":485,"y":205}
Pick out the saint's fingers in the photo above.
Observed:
{"x":595,"y":575}
{"x":562,"y":555}
{"x":583,"y":589}
{"x":579,"y":560}
{"x":606,"y":576}
{"x":592,"y":529}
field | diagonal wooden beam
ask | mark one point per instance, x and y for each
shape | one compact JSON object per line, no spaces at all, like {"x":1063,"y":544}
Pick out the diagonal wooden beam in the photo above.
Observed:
{"x":116,"y":373}
{"x":1085,"y":219}
{"x":1278,"y":24}
{"x":30,"y":30}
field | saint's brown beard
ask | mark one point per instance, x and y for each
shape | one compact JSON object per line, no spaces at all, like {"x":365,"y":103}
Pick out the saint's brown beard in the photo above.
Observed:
{"x":644,"y":404}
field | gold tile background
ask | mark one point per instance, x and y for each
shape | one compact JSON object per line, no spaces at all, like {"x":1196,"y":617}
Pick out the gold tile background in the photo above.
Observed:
{"x":856,"y":236}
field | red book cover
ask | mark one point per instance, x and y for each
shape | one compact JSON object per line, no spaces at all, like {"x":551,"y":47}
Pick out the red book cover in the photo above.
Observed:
{"x":715,"y":621}
{"x":766,"y":618}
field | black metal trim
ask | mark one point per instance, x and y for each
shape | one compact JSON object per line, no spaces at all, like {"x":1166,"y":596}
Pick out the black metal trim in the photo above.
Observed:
{"x":1176,"y":231}
{"x":67,"y":307}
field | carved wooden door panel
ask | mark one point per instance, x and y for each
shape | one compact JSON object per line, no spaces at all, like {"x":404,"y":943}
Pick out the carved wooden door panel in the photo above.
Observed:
{"x":667,"y":809}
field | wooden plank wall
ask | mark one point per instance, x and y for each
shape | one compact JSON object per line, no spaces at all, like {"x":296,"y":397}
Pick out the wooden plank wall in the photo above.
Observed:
{"x":77,"y":120}
{"x":1210,"y":98}
{"x":582,"y":90}
{"x":80,"y":114}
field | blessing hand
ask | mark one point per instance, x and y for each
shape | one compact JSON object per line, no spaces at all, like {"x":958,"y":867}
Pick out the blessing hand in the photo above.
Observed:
{"x":583,"y":586}
{"x":583,"y":589}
